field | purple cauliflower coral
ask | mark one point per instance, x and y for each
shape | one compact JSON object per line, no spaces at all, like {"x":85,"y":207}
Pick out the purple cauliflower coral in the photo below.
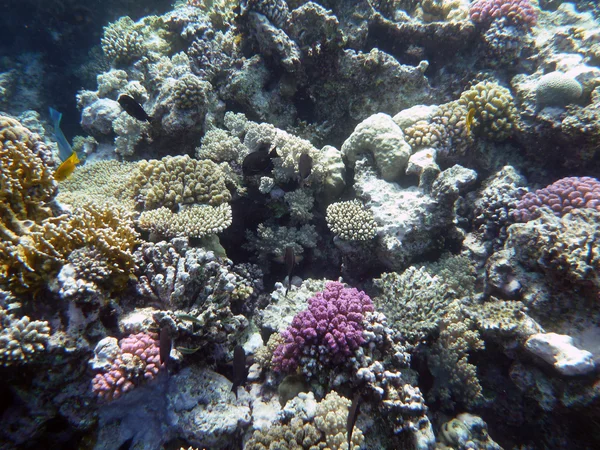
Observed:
{"x":562,"y":197}
{"x":518,"y":12}
{"x":330,"y":330}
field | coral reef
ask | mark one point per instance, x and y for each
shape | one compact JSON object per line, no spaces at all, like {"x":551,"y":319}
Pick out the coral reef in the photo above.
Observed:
{"x":520,"y":12}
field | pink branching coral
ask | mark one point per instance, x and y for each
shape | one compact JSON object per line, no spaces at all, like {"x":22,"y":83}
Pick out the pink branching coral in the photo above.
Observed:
{"x":330,"y":330}
{"x":562,"y":197}
{"x":138,"y":360}
{"x":518,"y":12}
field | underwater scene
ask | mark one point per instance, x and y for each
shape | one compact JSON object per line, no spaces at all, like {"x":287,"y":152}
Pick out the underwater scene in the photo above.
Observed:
{"x":300,"y":225}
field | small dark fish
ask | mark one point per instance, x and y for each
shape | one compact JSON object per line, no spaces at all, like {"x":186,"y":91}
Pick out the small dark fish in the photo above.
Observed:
{"x":126,"y":445}
{"x":133,"y":108}
{"x":304,"y":165}
{"x":290,"y":262}
{"x":239,"y":369}
{"x":165,"y":345}
{"x":259,"y":161}
{"x":353,"y":413}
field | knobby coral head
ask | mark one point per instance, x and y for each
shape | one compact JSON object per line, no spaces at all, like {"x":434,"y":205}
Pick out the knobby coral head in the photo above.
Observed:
{"x":518,"y":12}
{"x":330,"y":328}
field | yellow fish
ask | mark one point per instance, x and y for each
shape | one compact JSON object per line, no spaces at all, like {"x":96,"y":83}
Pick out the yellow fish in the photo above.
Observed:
{"x":67,"y":167}
{"x":469,"y":121}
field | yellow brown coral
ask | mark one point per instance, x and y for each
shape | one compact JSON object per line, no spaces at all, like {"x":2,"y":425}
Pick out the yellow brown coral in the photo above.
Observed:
{"x":176,"y":180}
{"x":495,"y":112}
{"x":26,"y":182}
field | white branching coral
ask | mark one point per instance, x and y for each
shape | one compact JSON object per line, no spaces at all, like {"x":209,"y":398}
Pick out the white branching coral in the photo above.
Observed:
{"x":21,"y":339}
{"x":351,"y":221}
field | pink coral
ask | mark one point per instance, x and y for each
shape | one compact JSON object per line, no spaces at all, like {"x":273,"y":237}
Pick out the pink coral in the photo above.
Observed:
{"x":330,"y":329}
{"x":519,"y":12}
{"x":562,"y":197}
{"x":139,"y":359}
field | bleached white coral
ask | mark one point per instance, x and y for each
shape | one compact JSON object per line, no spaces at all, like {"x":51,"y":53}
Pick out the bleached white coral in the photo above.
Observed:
{"x":195,"y":221}
{"x":21,"y":339}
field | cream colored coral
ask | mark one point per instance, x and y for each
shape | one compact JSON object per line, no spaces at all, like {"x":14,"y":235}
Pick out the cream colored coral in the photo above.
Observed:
{"x":219,"y":146}
{"x":121,"y":41}
{"x":350,"y":220}
{"x":195,"y":221}
{"x":103,"y":182}
{"x":331,"y":418}
{"x":176,"y":180}
{"x":190,"y":92}
{"x":21,"y":339}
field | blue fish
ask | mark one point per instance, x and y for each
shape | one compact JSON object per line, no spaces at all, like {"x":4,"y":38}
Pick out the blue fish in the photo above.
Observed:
{"x":64,"y":148}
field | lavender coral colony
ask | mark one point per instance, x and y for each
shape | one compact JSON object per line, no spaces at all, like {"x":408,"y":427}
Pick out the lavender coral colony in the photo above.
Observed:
{"x":286,"y":224}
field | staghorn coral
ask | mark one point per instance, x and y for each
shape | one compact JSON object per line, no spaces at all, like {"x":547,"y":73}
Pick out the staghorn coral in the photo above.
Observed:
{"x":562,"y":197}
{"x":176,"y":180}
{"x":351,"y":221}
{"x":414,"y":302}
{"x":195,"y":221}
{"x":495,"y":112}
{"x":21,"y":339}
{"x":136,"y":359}
{"x":327,"y":333}
{"x":121,"y":41}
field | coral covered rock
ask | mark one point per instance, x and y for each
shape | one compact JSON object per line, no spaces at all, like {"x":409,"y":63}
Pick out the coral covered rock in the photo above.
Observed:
{"x":349,"y":220}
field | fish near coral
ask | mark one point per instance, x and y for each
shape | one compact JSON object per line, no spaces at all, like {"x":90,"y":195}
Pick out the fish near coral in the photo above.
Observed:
{"x":67,"y":167}
{"x":469,"y":120}
{"x":239,"y":369}
{"x":259,"y":161}
{"x":133,"y":108}
{"x":64,"y":148}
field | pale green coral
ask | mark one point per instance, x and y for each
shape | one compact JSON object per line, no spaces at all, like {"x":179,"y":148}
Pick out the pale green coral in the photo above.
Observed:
{"x":194,"y":221}
{"x":176,"y":180}
{"x":351,"y":221}
{"x":272,"y":241}
{"x":220,"y":146}
{"x":21,"y":339}
{"x":331,"y":419}
{"x":300,"y":203}
{"x":413,"y":302}
{"x":455,"y":377}
{"x":456,"y":271}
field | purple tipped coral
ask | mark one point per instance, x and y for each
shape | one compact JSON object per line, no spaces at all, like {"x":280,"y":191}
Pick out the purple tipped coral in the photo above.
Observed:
{"x":138,"y":359}
{"x":562,"y":197}
{"x":330,"y":330}
{"x":515,"y":11}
